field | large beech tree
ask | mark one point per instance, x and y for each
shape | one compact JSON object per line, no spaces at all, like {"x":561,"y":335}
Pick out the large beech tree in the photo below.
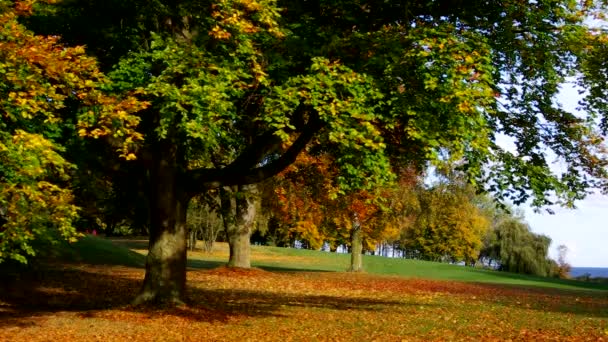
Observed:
{"x":238,"y":88}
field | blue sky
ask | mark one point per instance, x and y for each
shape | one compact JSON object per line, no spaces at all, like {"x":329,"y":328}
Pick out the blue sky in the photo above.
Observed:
{"x":584,"y":230}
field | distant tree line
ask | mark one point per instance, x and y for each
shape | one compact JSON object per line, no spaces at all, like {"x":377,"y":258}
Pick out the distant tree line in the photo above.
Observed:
{"x":445,"y":222}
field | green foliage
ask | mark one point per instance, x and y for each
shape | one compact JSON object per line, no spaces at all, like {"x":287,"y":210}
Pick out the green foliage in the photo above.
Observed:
{"x":345,"y":102}
{"x":515,"y":248}
{"x":421,"y":77}
{"x":46,"y":91}
{"x":389,"y":81}
{"x":32,"y":202}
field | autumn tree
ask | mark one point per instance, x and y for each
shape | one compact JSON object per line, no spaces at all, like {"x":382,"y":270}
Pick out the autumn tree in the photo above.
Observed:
{"x":448,"y":226}
{"x":378,"y":216}
{"x":243,"y":86}
{"x":47,"y":91}
{"x":307,"y":200}
{"x":297,"y":200}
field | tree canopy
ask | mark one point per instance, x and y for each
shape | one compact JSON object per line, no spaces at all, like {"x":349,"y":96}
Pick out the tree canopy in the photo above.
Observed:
{"x":234,"y":90}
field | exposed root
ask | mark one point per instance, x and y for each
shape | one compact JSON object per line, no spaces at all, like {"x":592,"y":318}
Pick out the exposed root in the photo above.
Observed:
{"x":157,"y":299}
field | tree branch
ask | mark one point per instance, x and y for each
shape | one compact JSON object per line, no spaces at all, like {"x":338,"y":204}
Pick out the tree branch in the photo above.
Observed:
{"x":243,"y":169}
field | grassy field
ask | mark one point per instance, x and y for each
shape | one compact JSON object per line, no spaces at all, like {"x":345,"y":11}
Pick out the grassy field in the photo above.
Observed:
{"x":293,"y":295}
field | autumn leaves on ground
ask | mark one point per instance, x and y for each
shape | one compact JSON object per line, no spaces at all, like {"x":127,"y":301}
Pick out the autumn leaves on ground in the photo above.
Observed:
{"x":88,"y":302}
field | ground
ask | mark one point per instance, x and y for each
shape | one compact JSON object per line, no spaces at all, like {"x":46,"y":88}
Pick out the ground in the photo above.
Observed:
{"x":77,"y":301}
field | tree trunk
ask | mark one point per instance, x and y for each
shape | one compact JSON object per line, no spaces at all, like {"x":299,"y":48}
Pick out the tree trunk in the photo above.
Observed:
{"x":165,"y":279}
{"x":238,"y":211}
{"x":356,"y":257}
{"x":192,"y":240}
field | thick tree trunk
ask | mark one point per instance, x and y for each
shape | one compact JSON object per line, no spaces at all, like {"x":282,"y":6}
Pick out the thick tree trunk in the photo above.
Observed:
{"x":238,"y":211}
{"x":240,"y":249}
{"x":165,"y":279}
{"x":356,"y":257}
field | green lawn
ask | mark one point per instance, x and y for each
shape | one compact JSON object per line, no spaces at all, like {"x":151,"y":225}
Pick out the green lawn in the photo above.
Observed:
{"x":314,"y":260}
{"x":98,"y":250}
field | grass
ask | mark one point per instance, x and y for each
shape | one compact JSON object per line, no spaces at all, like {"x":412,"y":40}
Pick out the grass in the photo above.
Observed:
{"x":290,"y":259}
{"x":93,"y":250}
{"x":294,"y":295}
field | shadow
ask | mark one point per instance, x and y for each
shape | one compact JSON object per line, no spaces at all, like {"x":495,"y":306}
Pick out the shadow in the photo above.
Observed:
{"x":80,"y":289}
{"x":131,"y":243}
{"x":141,"y":243}
{"x":204,"y":264}
{"x":91,"y":289}
{"x":282,"y":269}
{"x":198,"y":264}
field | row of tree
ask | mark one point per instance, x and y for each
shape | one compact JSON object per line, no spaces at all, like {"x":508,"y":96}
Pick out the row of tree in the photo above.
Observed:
{"x":153,"y":103}
{"x":444,"y":222}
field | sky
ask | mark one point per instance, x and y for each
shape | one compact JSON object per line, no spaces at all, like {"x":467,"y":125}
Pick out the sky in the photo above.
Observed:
{"x":583,"y":230}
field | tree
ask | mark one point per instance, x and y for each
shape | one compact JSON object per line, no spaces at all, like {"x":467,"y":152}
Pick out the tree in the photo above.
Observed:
{"x":563,"y":267}
{"x":308,"y":202}
{"x":204,"y":220}
{"x":41,"y":83}
{"x":515,"y":248}
{"x":239,"y":205}
{"x":448,"y":227}
{"x":244,"y":87}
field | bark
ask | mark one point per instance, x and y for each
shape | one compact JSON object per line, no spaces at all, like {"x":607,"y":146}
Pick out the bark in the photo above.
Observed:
{"x":238,"y":211}
{"x":165,"y":279}
{"x":356,"y":257}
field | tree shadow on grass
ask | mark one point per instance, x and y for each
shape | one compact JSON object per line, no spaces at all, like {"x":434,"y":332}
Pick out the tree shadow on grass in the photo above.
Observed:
{"x":130,"y":243}
{"x":90,"y":290}
{"x":283,"y":269}
{"x":83,"y":290}
{"x":210,"y":264}
{"x":204,"y":264}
